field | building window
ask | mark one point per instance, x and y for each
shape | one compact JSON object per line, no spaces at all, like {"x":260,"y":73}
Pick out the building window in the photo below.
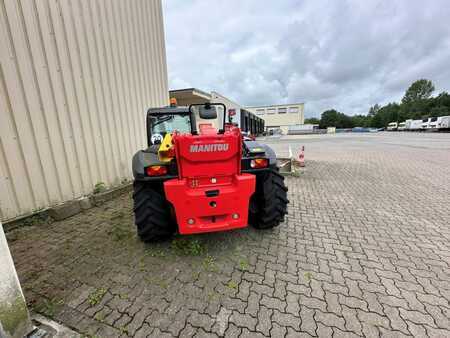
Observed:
{"x":271,"y":111}
{"x":282,"y":110}
{"x":260,"y":111}
{"x":293,"y":109}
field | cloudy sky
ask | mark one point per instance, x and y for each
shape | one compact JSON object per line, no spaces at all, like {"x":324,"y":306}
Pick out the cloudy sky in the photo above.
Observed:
{"x":346,"y":55}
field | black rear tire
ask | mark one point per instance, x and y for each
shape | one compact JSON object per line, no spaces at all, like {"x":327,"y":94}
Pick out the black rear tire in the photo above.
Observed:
{"x":268,"y":205}
{"x":152,"y":212}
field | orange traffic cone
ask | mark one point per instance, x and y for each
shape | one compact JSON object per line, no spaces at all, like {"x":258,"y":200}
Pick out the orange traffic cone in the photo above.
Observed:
{"x":301,"y":157}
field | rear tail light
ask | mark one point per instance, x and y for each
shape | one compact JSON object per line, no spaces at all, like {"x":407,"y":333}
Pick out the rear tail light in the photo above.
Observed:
{"x":156,"y":170}
{"x":259,"y":163}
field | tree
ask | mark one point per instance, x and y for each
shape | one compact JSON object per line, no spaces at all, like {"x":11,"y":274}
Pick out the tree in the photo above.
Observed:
{"x":361,"y":120}
{"x":416,"y":104}
{"x":385,"y":115}
{"x":333,"y":118}
{"x":419,"y":90}
{"x":312,"y":120}
{"x":329,"y":118}
{"x":373,"y":110}
{"x":440,"y":105}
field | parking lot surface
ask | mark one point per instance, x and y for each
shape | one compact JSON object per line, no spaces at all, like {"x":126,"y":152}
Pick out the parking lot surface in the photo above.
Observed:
{"x":364,"y":251}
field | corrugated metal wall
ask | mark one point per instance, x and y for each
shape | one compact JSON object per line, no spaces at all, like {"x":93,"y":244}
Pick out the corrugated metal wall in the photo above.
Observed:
{"x":76,"y":78}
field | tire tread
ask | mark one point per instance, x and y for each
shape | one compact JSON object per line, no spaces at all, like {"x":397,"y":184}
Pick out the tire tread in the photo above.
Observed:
{"x":268,"y":205}
{"x":151,"y":211}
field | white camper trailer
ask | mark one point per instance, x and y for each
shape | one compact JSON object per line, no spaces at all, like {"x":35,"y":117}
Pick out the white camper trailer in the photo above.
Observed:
{"x":392,"y":126}
{"x":408,"y":124}
{"x":443,"y":123}
{"x":432,"y":125}
{"x":415,"y":125}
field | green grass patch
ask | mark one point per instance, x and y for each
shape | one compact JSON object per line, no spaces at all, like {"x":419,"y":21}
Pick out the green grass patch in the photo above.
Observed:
{"x":99,"y":188}
{"x":243,"y":265}
{"x":188,"y":247}
{"x":152,"y":252}
{"x":142,"y":267}
{"x":232,"y":285}
{"x":35,"y":219}
{"x":124,"y":330}
{"x":209,"y":263}
{"x":120,"y":233}
{"x":96,"y":296}
{"x":308,"y":276}
{"x":48,"y":307}
{"x":195,"y":275}
{"x":213,"y":296}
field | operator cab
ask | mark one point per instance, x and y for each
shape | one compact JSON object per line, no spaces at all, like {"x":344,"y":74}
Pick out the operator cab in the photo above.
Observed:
{"x":196,"y":119}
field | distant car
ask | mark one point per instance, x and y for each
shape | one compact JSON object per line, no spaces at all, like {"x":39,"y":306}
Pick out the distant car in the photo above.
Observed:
{"x":392,"y":126}
{"x":401,"y":126}
{"x":443,"y":123}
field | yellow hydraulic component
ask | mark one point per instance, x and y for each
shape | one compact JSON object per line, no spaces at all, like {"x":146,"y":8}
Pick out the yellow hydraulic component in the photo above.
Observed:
{"x":166,"y":150}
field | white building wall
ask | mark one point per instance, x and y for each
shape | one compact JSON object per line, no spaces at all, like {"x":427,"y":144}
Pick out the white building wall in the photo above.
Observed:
{"x":281,"y":116}
{"x":76,"y":79}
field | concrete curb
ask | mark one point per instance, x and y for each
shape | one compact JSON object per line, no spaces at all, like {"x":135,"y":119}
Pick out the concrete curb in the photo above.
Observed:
{"x":67,"y":209}
{"x":50,"y":329}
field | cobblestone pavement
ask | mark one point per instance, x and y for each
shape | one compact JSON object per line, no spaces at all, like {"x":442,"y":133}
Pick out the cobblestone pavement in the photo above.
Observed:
{"x":364,"y":252}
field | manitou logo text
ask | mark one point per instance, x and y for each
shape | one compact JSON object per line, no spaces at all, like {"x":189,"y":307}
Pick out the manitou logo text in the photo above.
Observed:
{"x":206,"y":148}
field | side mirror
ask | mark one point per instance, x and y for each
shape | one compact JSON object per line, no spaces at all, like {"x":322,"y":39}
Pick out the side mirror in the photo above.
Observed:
{"x":207,"y":112}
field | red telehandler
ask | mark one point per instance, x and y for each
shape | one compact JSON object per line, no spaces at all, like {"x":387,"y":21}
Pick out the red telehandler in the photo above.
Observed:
{"x":199,"y":175}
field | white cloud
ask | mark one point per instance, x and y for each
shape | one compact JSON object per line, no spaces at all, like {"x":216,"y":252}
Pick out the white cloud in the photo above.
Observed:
{"x":345,"y":55}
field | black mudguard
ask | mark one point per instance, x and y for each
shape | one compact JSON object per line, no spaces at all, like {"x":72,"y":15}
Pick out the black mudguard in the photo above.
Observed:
{"x":145,"y":158}
{"x":268,"y":152}
{"x":253,"y":149}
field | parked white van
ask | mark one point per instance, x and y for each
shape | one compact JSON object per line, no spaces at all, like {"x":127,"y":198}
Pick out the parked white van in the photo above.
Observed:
{"x":401,"y":126}
{"x":392,"y":126}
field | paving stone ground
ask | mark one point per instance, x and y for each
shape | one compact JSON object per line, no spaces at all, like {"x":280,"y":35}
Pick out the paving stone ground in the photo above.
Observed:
{"x":365,"y":251}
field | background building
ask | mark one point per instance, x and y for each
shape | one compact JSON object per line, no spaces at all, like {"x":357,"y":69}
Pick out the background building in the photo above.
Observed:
{"x":76,"y":79}
{"x":247,"y":121}
{"x":188,"y":96}
{"x":280,"y":116}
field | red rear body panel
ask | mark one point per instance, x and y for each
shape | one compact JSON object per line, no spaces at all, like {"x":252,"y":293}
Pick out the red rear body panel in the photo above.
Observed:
{"x":210,"y":191}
